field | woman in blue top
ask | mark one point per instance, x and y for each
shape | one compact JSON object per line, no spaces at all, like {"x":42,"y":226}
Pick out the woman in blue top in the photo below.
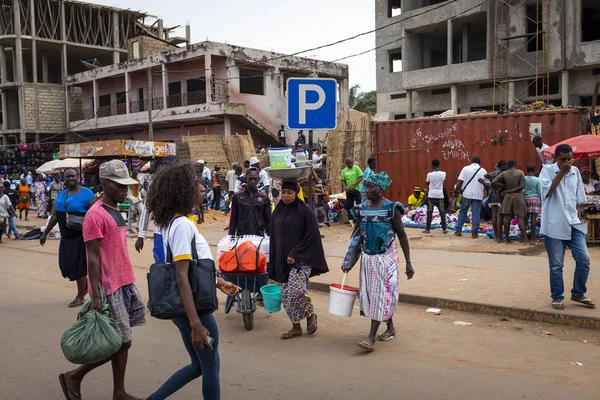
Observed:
{"x":76,"y":200}
{"x":377,"y":222}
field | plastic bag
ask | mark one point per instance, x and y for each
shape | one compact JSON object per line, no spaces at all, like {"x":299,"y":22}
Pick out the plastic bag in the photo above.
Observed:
{"x":93,"y":337}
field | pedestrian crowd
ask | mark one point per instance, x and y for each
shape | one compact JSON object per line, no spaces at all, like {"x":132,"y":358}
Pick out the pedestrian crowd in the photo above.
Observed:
{"x":175,"y":195}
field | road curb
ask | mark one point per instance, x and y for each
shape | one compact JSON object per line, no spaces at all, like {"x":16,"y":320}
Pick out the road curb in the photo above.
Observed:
{"x":574,"y":321}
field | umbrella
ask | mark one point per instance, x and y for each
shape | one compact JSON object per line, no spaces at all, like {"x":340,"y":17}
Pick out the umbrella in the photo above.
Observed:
{"x":48,"y":167}
{"x":73,"y":163}
{"x":583,"y":146}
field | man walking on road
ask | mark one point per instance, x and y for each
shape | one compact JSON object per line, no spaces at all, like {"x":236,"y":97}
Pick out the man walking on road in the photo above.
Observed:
{"x":105,"y":235}
{"x":472,"y":195}
{"x":351,"y":178}
{"x":435,"y":198}
{"x":562,"y":193}
{"x":231,"y":178}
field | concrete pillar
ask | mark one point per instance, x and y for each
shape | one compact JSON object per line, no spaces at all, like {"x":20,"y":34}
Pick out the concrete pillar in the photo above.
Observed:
{"x":116,"y":34}
{"x":227,"y":122}
{"x":161,"y":31}
{"x":18,"y":67}
{"x":37,"y":137}
{"x":208,"y":77}
{"x":454,"y":98}
{"x":44,"y":68}
{"x":511,"y":93}
{"x":127,"y":90}
{"x":188,"y":35}
{"x":409,"y":104}
{"x":34,"y":64}
{"x":165,"y":84}
{"x":450,"y":42}
{"x":95,"y":98}
{"x":465,"y":42}
{"x":63,"y":36}
{"x":3,"y":65}
{"x":564,"y":88}
{"x":344,"y":96}
{"x":4,"y":112}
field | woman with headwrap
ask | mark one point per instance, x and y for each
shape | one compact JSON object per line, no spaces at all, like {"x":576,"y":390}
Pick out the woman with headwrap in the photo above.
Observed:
{"x":377,"y":222}
{"x":296,"y":254}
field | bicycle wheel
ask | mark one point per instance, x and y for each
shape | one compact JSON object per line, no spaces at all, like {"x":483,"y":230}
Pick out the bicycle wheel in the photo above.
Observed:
{"x":248,"y":315}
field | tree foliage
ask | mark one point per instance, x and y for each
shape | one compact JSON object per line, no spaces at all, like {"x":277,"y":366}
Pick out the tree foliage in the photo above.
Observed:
{"x":363,"y":101}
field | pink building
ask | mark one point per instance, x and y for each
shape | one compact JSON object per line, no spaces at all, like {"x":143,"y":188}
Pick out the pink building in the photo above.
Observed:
{"x":206,"y":88}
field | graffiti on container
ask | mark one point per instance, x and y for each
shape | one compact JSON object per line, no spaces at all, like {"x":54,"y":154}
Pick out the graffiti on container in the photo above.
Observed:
{"x":455,"y":154}
{"x":427,"y":138}
{"x":453,"y":144}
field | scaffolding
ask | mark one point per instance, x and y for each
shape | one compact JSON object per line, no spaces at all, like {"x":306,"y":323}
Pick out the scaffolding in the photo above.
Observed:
{"x":506,"y":52}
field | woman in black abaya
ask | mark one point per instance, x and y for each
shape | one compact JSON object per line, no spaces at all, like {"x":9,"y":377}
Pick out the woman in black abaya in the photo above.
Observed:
{"x":296,"y":254}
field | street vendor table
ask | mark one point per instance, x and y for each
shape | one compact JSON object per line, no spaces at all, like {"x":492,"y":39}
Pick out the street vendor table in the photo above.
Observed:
{"x":593,"y":228}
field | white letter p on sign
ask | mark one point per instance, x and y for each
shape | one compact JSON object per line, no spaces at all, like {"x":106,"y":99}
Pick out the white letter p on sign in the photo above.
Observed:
{"x":303,"y":105}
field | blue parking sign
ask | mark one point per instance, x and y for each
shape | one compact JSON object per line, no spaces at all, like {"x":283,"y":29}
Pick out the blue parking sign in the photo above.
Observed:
{"x":312,"y":103}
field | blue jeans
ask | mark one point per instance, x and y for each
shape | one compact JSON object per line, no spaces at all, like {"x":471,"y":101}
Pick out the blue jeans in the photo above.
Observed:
{"x":556,"y":256}
{"x":205,"y":363}
{"x":476,"y":213}
{"x":11,"y":226}
{"x":158,"y":250}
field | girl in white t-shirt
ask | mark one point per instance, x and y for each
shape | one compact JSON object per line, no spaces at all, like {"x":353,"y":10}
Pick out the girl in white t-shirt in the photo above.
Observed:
{"x":180,"y":190}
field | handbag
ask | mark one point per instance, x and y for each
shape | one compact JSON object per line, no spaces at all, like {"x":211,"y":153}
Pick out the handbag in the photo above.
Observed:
{"x":74,"y":222}
{"x":164,"y":301}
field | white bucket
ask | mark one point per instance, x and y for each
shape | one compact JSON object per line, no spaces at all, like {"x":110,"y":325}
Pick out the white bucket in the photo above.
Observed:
{"x":341,"y":301}
{"x":280,"y":157}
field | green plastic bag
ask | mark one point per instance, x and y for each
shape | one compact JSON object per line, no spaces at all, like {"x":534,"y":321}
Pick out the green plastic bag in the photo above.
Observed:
{"x":93,"y":337}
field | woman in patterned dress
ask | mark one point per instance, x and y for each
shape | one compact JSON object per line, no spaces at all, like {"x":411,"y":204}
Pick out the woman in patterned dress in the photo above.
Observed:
{"x":377,"y":222}
{"x":296,"y":254}
{"x":39,"y":188}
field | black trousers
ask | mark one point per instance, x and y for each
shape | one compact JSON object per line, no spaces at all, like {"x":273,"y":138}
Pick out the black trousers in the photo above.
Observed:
{"x":352,"y":197}
{"x":282,"y":140}
{"x":217,"y":198}
{"x":439,"y":203}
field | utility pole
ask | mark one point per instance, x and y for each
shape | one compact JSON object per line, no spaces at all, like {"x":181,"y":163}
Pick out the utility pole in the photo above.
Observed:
{"x":311,"y":201}
{"x":150,"y":103}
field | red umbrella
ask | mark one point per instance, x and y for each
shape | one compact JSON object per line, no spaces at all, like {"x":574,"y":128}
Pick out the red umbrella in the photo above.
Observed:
{"x":583,"y":146}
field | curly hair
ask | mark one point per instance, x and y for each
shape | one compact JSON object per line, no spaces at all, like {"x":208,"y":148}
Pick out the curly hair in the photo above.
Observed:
{"x":172,"y":192}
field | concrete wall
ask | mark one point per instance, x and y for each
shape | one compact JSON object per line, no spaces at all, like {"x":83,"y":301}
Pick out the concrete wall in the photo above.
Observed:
{"x":52,"y":107}
{"x":148,"y":46}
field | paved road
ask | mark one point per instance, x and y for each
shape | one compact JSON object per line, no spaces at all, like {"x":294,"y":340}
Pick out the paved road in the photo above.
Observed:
{"x":430,"y":359}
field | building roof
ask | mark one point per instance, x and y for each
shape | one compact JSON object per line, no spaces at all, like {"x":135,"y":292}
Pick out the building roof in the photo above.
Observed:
{"x":138,"y":14}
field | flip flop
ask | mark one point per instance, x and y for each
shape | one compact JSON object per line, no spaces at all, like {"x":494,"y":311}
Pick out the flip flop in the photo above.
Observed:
{"x":584,"y":301}
{"x":78,"y":302}
{"x":558,"y":305}
{"x":366,"y":346}
{"x":290,"y":335}
{"x":68,"y":393}
{"x":386,"y":336}
{"x":313,"y":327}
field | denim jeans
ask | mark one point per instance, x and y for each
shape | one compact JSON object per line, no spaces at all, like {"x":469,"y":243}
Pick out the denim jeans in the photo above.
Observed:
{"x":476,"y":213}
{"x":439,"y":203}
{"x":139,"y":206}
{"x":556,"y":257}
{"x":11,"y":226}
{"x":204,"y":363}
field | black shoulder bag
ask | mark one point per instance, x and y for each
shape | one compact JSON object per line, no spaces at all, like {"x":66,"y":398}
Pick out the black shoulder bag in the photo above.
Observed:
{"x":164,"y":300}
{"x":74,"y":222}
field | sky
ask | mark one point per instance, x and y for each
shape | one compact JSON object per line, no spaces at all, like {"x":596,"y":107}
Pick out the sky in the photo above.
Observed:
{"x":282,"y":26}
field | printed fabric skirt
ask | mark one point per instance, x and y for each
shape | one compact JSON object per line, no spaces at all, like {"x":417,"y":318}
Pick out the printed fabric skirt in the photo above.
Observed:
{"x":294,"y":295}
{"x":534,"y":205}
{"x":378,"y":283}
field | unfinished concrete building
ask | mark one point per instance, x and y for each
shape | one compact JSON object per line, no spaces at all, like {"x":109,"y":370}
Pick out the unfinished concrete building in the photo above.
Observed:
{"x":470,"y":55}
{"x":207,"y":88}
{"x":43,"y":41}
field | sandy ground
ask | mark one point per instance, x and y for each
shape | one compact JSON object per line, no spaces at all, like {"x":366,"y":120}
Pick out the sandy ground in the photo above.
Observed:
{"x":431,"y":358}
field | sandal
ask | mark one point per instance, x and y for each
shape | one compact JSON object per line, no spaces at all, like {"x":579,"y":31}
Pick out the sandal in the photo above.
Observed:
{"x":584,"y":301}
{"x":78,"y":302}
{"x":387,"y":336}
{"x":558,"y":304}
{"x":312,"y":328}
{"x":290,"y":335}
{"x":68,"y":393}
{"x":366,"y":346}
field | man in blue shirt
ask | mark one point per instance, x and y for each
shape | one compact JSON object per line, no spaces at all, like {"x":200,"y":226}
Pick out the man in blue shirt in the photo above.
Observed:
{"x":370,"y":170}
{"x":562,"y":193}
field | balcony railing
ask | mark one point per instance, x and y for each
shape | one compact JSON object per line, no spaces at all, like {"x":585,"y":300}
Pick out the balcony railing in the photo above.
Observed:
{"x":186,"y":99}
{"x":81,"y":115}
{"x":142,"y":105}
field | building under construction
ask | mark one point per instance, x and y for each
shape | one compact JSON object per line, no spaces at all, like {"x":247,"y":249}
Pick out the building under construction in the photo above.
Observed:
{"x":44,"y":41}
{"x":470,"y":55}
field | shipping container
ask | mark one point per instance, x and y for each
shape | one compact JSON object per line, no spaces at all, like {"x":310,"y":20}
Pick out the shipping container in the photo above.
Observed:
{"x":404,"y":149}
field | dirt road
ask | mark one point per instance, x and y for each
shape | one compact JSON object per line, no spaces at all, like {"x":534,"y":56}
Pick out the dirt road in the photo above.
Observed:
{"x":431,"y":357}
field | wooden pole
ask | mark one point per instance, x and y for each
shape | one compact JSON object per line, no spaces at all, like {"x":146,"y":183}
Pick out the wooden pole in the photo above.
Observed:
{"x":150,"y":104}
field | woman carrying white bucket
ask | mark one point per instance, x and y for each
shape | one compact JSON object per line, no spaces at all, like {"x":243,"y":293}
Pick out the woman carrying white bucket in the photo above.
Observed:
{"x":377,"y":222}
{"x":296,"y":254}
